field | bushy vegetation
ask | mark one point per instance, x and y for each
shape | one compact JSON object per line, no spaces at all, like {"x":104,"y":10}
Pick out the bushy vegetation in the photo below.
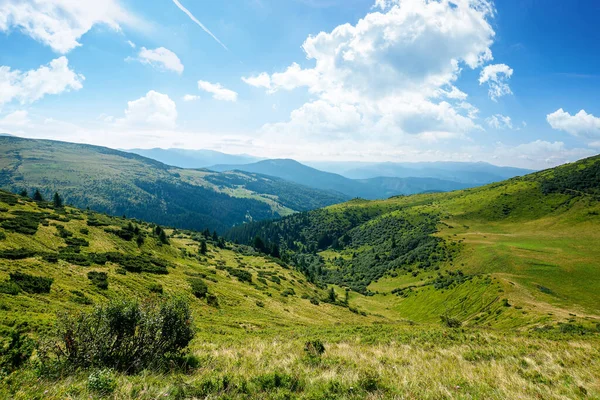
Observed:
{"x":30,"y":283}
{"x":124,"y":335}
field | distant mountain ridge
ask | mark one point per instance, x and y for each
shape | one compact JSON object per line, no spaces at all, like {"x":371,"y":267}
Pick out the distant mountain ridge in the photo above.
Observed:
{"x":185,"y":158}
{"x":374,"y":188}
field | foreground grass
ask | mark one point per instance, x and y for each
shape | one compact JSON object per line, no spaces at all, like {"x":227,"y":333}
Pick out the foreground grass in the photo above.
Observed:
{"x":375,"y":362}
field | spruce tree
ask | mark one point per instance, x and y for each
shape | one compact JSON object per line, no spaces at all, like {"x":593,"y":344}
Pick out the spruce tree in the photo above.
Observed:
{"x":162,"y":236}
{"x":58,"y":203}
{"x":203,"y":247}
{"x":23,"y":193}
{"x":37,"y":196}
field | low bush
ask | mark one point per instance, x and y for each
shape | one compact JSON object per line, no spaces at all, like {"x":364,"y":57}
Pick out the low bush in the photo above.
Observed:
{"x":99,"y":279}
{"x":124,"y":335}
{"x":9,"y":287}
{"x":16,"y":352}
{"x":450,"y":322}
{"x":155,"y":288}
{"x":199,"y":288}
{"x":16,"y":254}
{"x":314,"y":348}
{"x":30,"y":283}
{"x":212,"y":300}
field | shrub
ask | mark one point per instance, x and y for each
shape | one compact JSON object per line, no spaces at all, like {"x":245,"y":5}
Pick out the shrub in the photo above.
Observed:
{"x":242,"y":275}
{"x":9,"y":287}
{"x":99,"y":279}
{"x":314,"y":348}
{"x":155,"y":288}
{"x":102,"y":382}
{"x":84,"y":231}
{"x":260,"y":303}
{"x":30,"y":283}
{"x":450,"y":322}
{"x":26,"y":223}
{"x":75,"y":241}
{"x":123,"y":335}
{"x":16,"y":254}
{"x":2,"y":235}
{"x":212,"y":300}
{"x":199,"y":288}
{"x":16,"y":352}
{"x":314,"y":301}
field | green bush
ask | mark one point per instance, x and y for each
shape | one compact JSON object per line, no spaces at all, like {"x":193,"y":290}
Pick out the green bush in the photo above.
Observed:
{"x":102,"y":382}
{"x":212,"y":300}
{"x":99,"y":279}
{"x":9,"y":287}
{"x":450,"y":322}
{"x":16,"y":254}
{"x":30,"y":283}
{"x":15,"y":352}
{"x":155,"y":288}
{"x":2,"y":235}
{"x":199,"y":288}
{"x":314,"y":348}
{"x":124,"y":335}
{"x":25,"y":222}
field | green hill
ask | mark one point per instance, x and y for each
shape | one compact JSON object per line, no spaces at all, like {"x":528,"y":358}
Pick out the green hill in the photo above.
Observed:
{"x":535,"y":237}
{"x":483,"y":293}
{"x":121,"y":183}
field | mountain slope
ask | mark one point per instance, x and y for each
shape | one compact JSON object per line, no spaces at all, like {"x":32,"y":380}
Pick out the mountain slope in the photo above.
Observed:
{"x":120,"y":183}
{"x":365,"y":188}
{"x":184,"y":158}
{"x":535,"y":237}
{"x":262,"y":330}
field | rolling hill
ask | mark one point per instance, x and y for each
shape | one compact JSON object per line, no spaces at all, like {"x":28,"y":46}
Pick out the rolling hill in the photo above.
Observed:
{"x":511,"y":269}
{"x":376,"y":188}
{"x":121,"y":183}
{"x":536,"y":237}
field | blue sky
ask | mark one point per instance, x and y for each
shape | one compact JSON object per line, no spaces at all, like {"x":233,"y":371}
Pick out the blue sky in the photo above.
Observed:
{"x":510,"y":82}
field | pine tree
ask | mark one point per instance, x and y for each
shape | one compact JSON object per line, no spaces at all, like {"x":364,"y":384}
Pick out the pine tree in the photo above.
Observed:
{"x":332,"y":298}
{"x":37,"y":196}
{"x":162,"y":236}
{"x":258,"y":244}
{"x":203,"y":248}
{"x":58,"y":203}
{"x":23,"y":193}
{"x":215,"y":236}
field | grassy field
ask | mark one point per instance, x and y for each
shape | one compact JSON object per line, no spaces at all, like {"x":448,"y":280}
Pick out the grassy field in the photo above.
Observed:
{"x":526,"y":302}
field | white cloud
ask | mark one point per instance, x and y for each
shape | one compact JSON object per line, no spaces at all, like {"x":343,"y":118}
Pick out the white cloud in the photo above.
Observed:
{"x":131,"y":44}
{"x":496,"y":76}
{"x":14,"y":121}
{"x":392,"y":74}
{"x":160,"y":58}
{"x":499,"y":121}
{"x":582,"y":124}
{"x":218,"y":91}
{"x":154,"y":110}
{"x":61,"y":23}
{"x":30,"y":86}
{"x":190,"y":97}
{"x":538,"y":154}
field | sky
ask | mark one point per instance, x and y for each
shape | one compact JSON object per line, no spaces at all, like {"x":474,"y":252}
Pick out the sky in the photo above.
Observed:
{"x":511,"y":82}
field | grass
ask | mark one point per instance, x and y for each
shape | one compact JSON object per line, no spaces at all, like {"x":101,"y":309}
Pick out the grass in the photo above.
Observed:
{"x":374,"y":362}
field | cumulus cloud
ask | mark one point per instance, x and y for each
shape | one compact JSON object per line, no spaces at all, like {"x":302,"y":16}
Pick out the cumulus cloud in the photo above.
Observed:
{"x":499,"y":121}
{"x":218,"y":91}
{"x":391,"y":74}
{"x":14,"y":120}
{"x":154,"y":110}
{"x":190,"y":97}
{"x":61,"y":23}
{"x":538,"y":154}
{"x":160,"y":58}
{"x":582,"y":124}
{"x":496,"y":76}
{"x":27,"y":87}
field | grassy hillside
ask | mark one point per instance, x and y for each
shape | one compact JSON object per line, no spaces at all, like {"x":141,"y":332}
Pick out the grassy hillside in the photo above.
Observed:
{"x":376,"y":188}
{"x":255,"y":323}
{"x":122,"y":183}
{"x":515,"y":253}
